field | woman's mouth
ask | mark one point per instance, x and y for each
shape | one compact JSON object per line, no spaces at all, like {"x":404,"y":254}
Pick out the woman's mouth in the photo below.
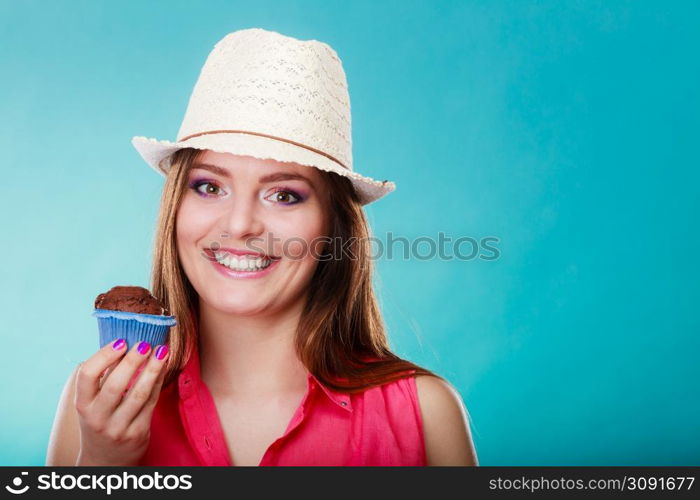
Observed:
{"x":243,"y":266}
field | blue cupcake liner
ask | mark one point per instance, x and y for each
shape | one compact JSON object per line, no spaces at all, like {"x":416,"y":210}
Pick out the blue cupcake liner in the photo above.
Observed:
{"x":133,"y":327}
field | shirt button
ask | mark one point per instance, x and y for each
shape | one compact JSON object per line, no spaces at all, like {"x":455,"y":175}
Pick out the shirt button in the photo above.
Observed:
{"x":344,"y":403}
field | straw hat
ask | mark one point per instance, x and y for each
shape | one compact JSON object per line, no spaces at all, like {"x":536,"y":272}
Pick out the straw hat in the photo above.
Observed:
{"x":267,"y":95}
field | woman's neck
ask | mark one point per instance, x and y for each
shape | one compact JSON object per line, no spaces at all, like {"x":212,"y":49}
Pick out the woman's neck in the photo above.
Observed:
{"x":242,"y":356}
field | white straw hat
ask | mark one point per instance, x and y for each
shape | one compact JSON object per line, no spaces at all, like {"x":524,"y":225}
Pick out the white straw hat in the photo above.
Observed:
{"x":267,"y":95}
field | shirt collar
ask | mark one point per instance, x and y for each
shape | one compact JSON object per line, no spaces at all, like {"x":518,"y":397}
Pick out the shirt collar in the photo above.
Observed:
{"x":342,"y":399}
{"x":190,"y":376}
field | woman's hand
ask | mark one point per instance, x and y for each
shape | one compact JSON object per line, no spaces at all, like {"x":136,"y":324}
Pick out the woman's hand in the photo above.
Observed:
{"x":115,"y":419}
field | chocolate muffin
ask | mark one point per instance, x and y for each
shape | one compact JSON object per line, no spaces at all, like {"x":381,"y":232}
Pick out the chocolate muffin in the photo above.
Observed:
{"x":132,"y":313}
{"x":133,"y":299}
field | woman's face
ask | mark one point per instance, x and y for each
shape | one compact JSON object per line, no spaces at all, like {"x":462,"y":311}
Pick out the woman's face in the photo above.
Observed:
{"x":272,"y":210}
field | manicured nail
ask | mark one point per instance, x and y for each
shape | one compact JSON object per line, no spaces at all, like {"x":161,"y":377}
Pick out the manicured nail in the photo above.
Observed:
{"x":161,"y":351}
{"x":143,"y":347}
{"x":118,"y":344}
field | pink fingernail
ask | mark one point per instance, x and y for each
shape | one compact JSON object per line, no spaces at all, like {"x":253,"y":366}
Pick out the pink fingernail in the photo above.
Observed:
{"x":161,"y":351}
{"x":143,"y":347}
{"x":118,"y":344}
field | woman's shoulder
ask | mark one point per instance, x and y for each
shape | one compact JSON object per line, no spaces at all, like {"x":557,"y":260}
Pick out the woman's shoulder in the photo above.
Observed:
{"x":439,"y":399}
{"x":445,"y":422}
{"x":436,"y":391}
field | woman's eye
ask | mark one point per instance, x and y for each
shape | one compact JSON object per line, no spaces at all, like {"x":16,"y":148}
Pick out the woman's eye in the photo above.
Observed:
{"x":206,"y":188}
{"x":285,"y":197}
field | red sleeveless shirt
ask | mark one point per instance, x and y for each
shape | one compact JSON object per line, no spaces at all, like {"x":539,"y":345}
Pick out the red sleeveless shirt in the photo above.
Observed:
{"x":381,"y":426}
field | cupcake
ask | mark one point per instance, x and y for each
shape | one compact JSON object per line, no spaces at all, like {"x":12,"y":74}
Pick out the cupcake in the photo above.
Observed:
{"x":131,"y":313}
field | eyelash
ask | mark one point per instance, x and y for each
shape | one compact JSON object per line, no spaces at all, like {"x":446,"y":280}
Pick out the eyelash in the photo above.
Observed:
{"x":195,"y":185}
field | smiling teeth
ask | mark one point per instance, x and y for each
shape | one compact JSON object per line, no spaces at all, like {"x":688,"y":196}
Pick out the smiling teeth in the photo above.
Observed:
{"x":242,"y":263}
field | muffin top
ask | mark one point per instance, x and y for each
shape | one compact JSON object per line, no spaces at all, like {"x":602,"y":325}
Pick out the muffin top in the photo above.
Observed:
{"x":133,"y":299}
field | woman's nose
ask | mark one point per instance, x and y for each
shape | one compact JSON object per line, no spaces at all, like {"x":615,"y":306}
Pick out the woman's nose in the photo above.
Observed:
{"x":242,"y":219}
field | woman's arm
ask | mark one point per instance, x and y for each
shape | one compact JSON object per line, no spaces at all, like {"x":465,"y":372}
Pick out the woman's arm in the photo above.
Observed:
{"x":64,"y":443}
{"x":445,"y":425}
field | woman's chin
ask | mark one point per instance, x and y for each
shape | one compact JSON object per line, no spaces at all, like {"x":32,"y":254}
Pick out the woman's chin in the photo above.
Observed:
{"x":240,"y":308}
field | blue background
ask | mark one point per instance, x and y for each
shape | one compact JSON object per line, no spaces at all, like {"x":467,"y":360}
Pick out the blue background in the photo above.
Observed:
{"x":568,"y":130}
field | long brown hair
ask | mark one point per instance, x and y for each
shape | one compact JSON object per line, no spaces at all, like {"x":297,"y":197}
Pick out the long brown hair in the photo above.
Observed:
{"x":341,"y":337}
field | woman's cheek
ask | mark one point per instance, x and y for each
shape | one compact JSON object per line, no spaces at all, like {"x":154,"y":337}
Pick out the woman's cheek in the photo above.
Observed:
{"x":300,"y":248}
{"x":294,"y":248}
{"x":192,"y":221}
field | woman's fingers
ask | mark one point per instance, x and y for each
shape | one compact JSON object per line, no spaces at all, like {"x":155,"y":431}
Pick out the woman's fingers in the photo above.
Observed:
{"x":88,"y":378}
{"x":106,"y":373}
{"x":114,"y":386}
{"x":141,"y":392}
{"x":142,"y":421}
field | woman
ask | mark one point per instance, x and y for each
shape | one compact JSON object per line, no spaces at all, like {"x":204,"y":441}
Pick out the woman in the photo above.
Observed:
{"x":280,"y":355}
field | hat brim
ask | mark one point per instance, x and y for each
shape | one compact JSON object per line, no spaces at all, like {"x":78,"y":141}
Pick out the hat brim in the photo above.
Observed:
{"x":156,"y":153}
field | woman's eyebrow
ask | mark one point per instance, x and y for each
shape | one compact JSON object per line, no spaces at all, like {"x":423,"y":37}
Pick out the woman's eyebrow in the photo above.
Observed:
{"x":212,"y":168}
{"x":274,"y":177}
{"x":284,"y":176}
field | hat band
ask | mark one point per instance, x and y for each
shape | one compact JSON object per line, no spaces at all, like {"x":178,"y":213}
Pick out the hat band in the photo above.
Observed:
{"x":318,"y":151}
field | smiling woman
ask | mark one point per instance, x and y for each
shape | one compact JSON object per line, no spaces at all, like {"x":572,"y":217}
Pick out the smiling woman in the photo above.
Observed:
{"x":280,"y":354}
{"x":257,"y":343}
{"x":244,"y":201}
